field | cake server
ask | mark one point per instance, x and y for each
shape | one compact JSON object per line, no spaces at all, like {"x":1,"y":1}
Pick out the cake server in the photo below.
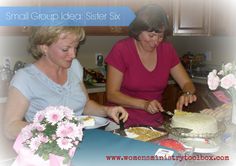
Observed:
{"x":176,"y":130}
{"x":168,"y":113}
{"x":181,"y":130}
{"x":121,"y":130}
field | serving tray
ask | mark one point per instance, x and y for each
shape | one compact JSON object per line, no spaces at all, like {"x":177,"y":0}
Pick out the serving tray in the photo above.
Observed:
{"x":145,"y":136}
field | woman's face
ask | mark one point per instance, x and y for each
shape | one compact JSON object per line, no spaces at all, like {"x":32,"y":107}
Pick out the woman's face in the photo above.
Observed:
{"x":150,"y":40}
{"x":63,"y":51}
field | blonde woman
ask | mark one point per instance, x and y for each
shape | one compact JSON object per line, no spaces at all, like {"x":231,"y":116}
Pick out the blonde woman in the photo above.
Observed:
{"x":56,"y":78}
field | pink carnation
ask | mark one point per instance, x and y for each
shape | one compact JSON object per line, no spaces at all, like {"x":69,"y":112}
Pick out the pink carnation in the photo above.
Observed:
{"x":53,"y":115}
{"x":64,"y":143}
{"x":39,"y":116}
{"x":67,"y":112}
{"x":35,"y":143}
{"x":66,"y":130}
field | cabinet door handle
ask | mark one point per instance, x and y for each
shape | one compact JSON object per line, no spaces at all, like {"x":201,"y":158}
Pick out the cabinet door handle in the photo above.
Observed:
{"x":115,"y":29}
{"x":25,"y":29}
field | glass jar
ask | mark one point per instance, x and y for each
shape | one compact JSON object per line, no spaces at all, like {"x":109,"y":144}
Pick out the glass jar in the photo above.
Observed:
{"x":5,"y":78}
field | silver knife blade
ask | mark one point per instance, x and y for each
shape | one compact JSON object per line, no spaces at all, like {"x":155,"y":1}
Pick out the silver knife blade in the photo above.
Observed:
{"x":168,"y":113}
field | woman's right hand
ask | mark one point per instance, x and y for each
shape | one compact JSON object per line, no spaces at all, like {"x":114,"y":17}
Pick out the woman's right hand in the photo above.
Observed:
{"x":153,"y":106}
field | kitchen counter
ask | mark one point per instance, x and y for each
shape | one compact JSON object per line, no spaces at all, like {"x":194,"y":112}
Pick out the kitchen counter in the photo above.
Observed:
{"x":96,"y":89}
{"x":199,"y":80}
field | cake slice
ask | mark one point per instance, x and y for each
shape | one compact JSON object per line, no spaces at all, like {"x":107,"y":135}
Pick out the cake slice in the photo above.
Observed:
{"x":88,"y":121}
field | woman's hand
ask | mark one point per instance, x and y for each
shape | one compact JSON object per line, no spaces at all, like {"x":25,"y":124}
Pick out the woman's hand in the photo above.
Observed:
{"x":153,"y":106}
{"x":114,"y":112}
{"x":185,"y":99}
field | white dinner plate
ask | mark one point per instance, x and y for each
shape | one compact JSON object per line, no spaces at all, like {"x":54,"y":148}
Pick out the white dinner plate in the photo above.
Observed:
{"x":99,"y":121}
{"x":201,"y":145}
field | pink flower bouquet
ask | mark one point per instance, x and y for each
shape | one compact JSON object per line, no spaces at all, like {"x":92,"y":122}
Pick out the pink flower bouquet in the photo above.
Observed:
{"x":226,"y":79}
{"x":51,"y":139}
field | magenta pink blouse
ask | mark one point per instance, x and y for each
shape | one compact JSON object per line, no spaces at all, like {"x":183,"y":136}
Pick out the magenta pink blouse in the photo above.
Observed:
{"x":140,"y":83}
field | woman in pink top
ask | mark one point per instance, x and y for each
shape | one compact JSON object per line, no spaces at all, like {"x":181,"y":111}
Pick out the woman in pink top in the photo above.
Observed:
{"x":139,"y":67}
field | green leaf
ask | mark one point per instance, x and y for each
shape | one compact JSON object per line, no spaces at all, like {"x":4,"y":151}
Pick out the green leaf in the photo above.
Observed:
{"x":50,"y":129}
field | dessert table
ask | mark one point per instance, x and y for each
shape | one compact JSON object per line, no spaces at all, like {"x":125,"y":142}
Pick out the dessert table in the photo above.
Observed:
{"x":98,"y":145}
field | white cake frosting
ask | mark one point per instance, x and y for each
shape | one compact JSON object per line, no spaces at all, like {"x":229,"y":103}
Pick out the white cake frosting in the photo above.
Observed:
{"x":199,"y":123}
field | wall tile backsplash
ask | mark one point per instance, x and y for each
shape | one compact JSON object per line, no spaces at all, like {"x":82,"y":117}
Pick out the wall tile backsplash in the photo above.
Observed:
{"x":222,"y":48}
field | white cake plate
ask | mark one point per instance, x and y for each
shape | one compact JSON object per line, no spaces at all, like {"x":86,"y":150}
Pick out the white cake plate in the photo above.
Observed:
{"x":201,"y":145}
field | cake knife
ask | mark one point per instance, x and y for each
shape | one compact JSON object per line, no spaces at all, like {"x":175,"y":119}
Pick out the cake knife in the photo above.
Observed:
{"x":168,"y":113}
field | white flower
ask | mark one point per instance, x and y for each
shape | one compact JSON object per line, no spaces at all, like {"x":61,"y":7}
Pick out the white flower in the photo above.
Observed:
{"x":68,"y":112}
{"x":64,"y":143}
{"x":221,"y":72}
{"x":228,"y":68}
{"x":39,"y":127}
{"x":53,"y":115}
{"x":228,"y":81}
{"x":34,"y":143}
{"x":26,"y":132}
{"x":79,"y":131}
{"x":66,"y":130}
{"x":213,"y":80}
{"x":39,"y":116}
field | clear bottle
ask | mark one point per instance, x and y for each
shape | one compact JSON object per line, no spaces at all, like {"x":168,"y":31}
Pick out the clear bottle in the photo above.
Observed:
{"x":5,"y":78}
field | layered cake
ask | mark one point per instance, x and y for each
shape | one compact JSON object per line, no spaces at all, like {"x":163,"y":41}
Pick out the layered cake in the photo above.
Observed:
{"x":88,"y":121}
{"x":199,"y":123}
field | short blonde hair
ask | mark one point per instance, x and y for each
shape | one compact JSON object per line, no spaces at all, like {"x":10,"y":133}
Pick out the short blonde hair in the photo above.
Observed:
{"x":50,"y":34}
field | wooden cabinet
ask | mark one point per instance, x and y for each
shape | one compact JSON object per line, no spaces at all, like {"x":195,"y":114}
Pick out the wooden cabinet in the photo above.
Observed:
{"x":205,"y":98}
{"x":14,"y":31}
{"x":99,"y":97}
{"x":170,"y":97}
{"x":201,"y":91}
{"x":106,"y":30}
{"x":223,"y":21}
{"x":191,"y":17}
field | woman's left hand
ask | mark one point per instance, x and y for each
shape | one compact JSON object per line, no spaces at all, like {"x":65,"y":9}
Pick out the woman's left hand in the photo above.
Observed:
{"x":185,"y":99}
{"x":117,"y":113}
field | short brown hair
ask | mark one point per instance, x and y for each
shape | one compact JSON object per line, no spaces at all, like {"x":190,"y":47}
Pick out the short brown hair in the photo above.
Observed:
{"x":149,"y":18}
{"x":50,"y":34}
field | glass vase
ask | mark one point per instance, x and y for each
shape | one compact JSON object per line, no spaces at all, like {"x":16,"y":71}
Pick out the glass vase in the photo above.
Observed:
{"x":234,"y":108}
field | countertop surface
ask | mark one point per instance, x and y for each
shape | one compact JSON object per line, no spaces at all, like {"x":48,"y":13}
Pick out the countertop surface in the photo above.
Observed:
{"x":97,"y":89}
